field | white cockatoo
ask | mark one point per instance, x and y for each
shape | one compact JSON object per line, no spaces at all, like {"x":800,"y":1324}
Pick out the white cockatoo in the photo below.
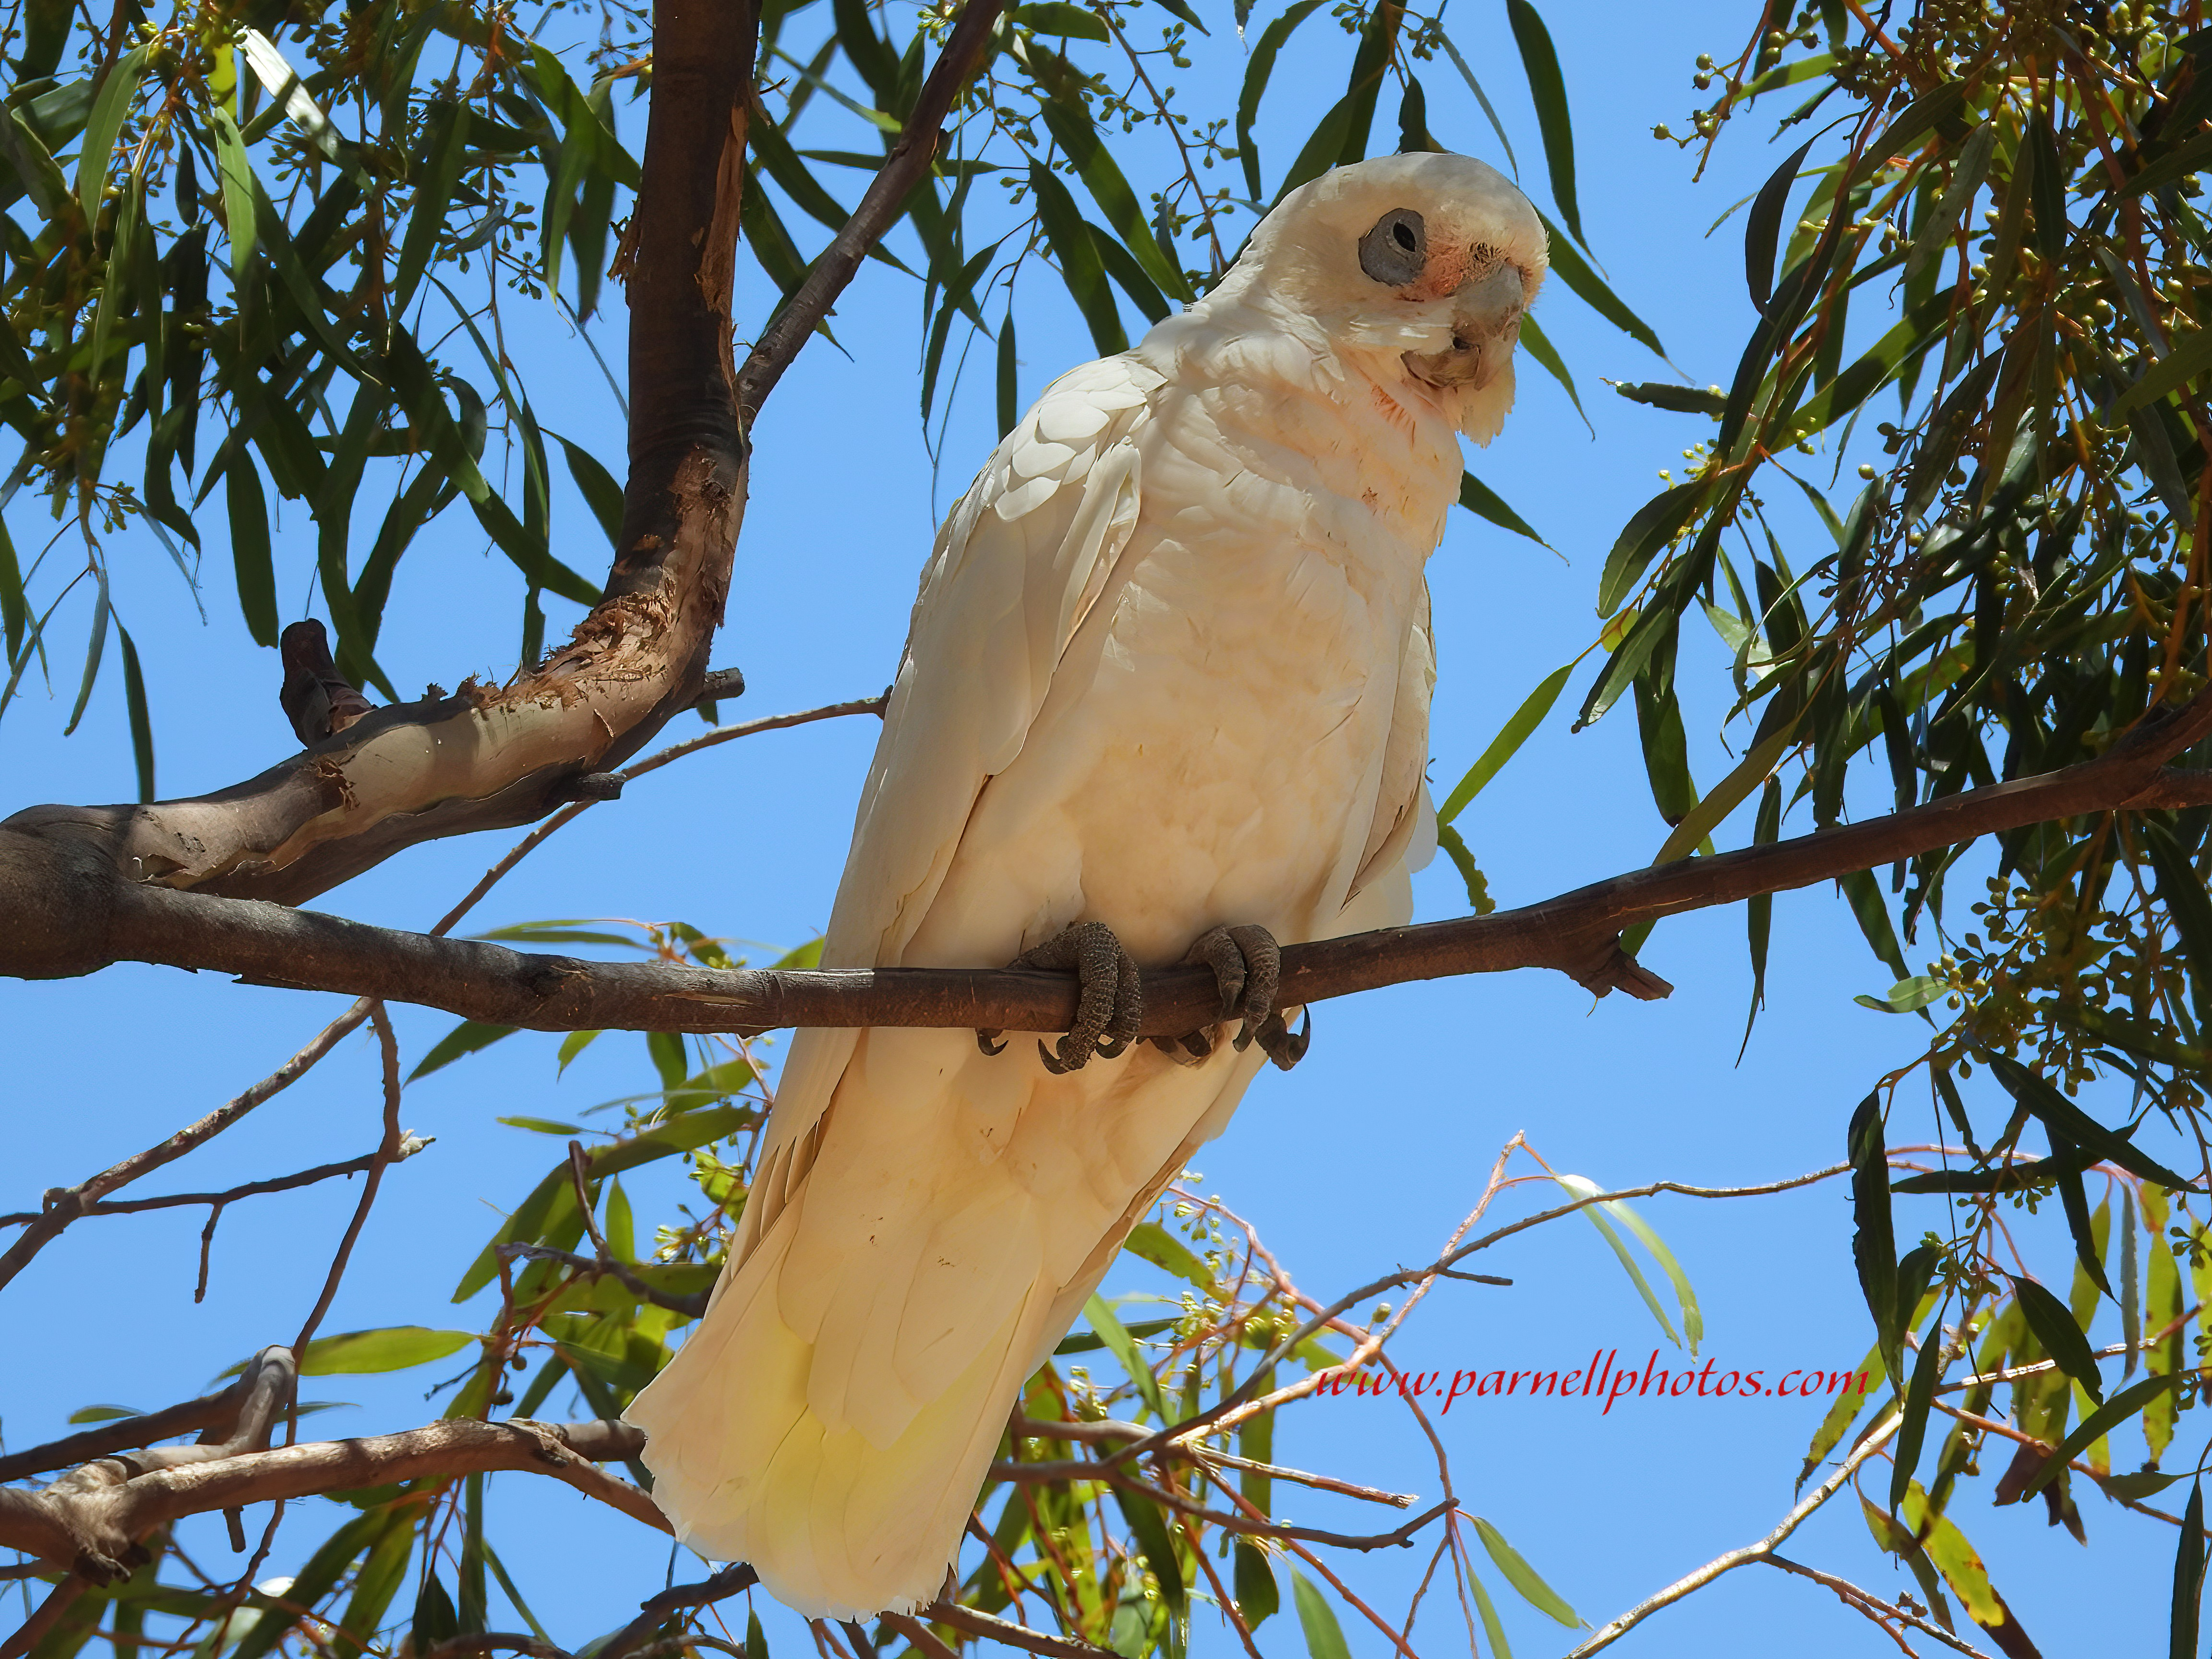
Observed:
{"x":1169,"y":672}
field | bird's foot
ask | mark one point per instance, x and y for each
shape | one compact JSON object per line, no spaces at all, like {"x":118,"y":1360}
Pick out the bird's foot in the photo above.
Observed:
{"x":1248,"y":966}
{"x":1109,"y":1009}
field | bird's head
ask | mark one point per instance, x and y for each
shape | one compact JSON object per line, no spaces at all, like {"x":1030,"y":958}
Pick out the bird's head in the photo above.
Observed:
{"x":1418,"y":267}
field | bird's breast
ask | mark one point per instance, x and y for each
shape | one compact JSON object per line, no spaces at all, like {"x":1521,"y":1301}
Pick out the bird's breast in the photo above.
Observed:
{"x":1214,"y":736}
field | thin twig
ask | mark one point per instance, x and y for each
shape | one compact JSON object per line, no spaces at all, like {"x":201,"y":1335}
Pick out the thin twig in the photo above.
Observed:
{"x":352,"y":1166}
{"x":1115,"y":1428}
{"x":1766,"y":1546}
{"x":903,"y":168}
{"x":1865,"y":1601}
{"x":48,"y":1613}
{"x":1242,"y":1397}
{"x":388,"y":1154}
{"x":691,"y":1307}
{"x":653,"y":763}
{"x":63,"y":1205}
{"x":655,"y":1611}
{"x":1014,"y":1636}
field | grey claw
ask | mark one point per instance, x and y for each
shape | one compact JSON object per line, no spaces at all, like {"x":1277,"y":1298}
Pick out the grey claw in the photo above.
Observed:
{"x":1052,"y":1062}
{"x":983,"y":1042}
{"x":1284,"y":1047}
{"x":1111,"y":1047}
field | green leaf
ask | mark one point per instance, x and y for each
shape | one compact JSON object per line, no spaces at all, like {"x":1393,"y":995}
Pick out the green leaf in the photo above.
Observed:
{"x":1522,"y":1577}
{"x":142,"y":725}
{"x":1257,"y":69}
{"x":1094,"y":163}
{"x":1919,"y":1399}
{"x":1585,"y":283}
{"x":1679,"y":399}
{"x":1864,"y":893}
{"x":111,"y":106}
{"x":1502,"y":747}
{"x":2052,"y":1322}
{"x":2186,"y":365}
{"x":1646,"y":534}
{"x":1549,"y":91}
{"x":1849,"y":1402}
{"x":1763,"y":226}
{"x":1321,"y":148}
{"x":2192,"y":156}
{"x":2060,"y":1115}
{"x":551,"y":1207}
{"x":101,"y":1414}
{"x":1156,"y":1244}
{"x":1070,"y":241}
{"x":2188,"y":1578}
{"x":1057,"y":18}
{"x":1258,"y":1596}
{"x":1480,"y":97}
{"x":1968,"y":174}
{"x":1157,"y":1540}
{"x":1650,"y":629}
{"x":542,"y":1126}
{"x":393,"y":1348}
{"x":1686,"y":1297}
{"x":1538,"y":344}
{"x":2100,"y":1423}
{"x":1581,"y":1187}
{"x":1324,"y":1636}
{"x":1123,"y":1347}
{"x":269,"y":65}
{"x":597,"y":487}
{"x":1009,"y":386}
{"x":1874,"y":1240}
{"x":1906,"y":996}
{"x":572,"y":1045}
{"x":466,"y":1038}
{"x":1483,"y":502}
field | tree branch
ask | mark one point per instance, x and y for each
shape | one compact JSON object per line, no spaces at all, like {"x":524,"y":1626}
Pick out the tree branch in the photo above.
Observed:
{"x":1576,"y":932}
{"x":486,"y":757}
{"x":352,"y":1166}
{"x":63,"y":1205}
{"x":968,"y":1619}
{"x":903,"y":168}
{"x":656,"y":1611}
{"x":90,"y":1521}
{"x":1879,"y":1438}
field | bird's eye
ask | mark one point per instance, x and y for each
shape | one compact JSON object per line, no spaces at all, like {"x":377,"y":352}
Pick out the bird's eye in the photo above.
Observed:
{"x":1395,"y":250}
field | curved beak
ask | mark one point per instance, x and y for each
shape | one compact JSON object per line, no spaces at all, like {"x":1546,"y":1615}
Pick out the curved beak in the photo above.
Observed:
{"x":1485,"y":327}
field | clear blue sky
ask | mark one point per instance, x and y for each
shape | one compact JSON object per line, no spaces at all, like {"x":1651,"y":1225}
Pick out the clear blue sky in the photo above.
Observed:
{"x":1361,"y":1160}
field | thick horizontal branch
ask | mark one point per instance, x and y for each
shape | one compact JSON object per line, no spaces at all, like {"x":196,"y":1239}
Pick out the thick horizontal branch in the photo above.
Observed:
{"x":94,"y":1528}
{"x":1576,"y":932}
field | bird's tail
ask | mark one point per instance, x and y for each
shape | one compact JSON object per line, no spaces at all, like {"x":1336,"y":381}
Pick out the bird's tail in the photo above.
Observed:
{"x":904,"y":1262}
{"x":836,"y":1526}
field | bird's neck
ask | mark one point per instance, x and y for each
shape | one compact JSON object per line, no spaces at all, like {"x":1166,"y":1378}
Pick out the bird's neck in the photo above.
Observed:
{"x":1280,"y":393}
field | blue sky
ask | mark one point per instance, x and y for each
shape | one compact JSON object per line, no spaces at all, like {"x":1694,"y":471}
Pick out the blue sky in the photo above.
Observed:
{"x":1362,"y":1160}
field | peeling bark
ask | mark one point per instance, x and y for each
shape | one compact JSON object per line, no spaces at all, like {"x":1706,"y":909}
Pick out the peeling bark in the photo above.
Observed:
{"x":491,"y":756}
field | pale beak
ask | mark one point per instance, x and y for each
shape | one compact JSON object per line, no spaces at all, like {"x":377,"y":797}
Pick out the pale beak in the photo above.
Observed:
{"x":1485,"y":326}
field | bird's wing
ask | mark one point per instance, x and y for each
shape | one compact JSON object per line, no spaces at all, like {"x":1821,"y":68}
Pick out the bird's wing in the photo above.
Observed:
{"x":1016,"y":567}
{"x":1403,"y":836}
